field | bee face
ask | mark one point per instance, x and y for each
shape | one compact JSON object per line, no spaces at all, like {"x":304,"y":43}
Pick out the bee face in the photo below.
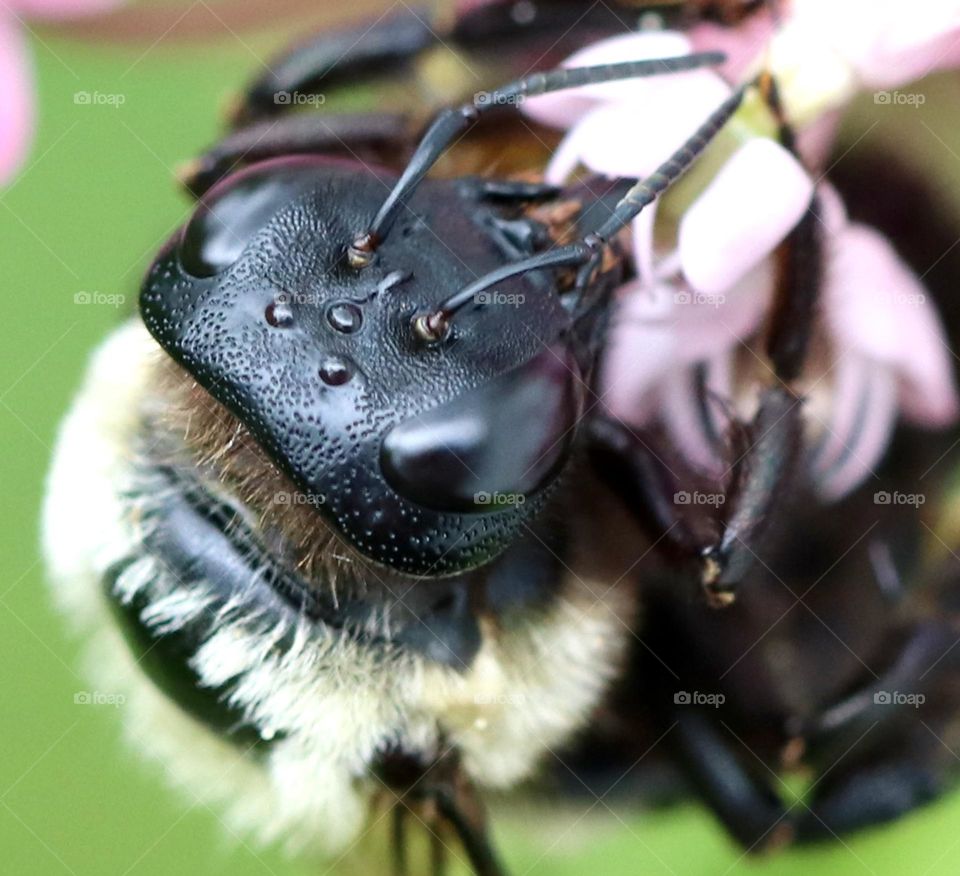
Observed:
{"x":427,"y":458}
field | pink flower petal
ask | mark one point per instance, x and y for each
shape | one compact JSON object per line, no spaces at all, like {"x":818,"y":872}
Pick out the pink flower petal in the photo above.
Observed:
{"x":59,"y":9}
{"x":746,"y":211}
{"x":693,"y":429}
{"x":877,"y":308}
{"x":870,"y":392}
{"x":659,"y":332}
{"x":833,"y":212}
{"x":885,"y":46}
{"x":633,"y":139}
{"x":563,"y":109}
{"x":743,"y":45}
{"x":640,"y":351}
{"x":16,"y":99}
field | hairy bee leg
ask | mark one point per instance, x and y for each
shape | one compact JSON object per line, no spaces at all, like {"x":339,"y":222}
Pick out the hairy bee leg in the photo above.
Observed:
{"x":303,"y":133}
{"x":747,"y":805}
{"x":335,"y":58}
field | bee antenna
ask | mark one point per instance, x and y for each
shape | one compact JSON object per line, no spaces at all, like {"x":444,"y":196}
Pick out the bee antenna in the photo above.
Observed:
{"x":451,"y":124}
{"x":587,"y":252}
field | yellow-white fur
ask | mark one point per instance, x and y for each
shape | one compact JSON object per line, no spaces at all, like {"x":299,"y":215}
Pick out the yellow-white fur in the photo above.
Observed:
{"x":336,"y":702}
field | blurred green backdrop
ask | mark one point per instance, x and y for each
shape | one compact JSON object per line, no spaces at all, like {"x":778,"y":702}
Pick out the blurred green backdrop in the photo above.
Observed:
{"x":95,"y":200}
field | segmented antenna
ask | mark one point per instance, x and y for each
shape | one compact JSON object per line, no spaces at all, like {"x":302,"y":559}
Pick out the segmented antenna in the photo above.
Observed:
{"x":452,"y":123}
{"x":587,"y":252}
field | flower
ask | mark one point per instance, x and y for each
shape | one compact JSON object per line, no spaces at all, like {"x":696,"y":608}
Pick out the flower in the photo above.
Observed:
{"x":824,"y":52}
{"x":706,"y":270}
{"x":16,"y":73}
{"x":629,"y":128}
{"x":887,"y":354}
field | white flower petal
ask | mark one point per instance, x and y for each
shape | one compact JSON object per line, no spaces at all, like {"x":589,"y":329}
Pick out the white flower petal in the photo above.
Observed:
{"x":744,"y":213}
{"x":632,"y":139}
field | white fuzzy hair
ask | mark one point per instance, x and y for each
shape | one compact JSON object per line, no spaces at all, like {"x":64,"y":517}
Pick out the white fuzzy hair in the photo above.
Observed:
{"x":334,"y":703}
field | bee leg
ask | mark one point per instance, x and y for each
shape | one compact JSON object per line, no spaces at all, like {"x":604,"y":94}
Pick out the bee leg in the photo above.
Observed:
{"x":335,"y":58}
{"x":884,"y":749}
{"x":359,"y":135}
{"x":649,"y":479}
{"x":873,"y":793}
{"x":398,"y":839}
{"x":922,"y":657}
{"x":766,"y":451}
{"x":469,"y":829}
{"x":445,"y":800}
{"x":773,"y":437}
{"x":744,"y":802}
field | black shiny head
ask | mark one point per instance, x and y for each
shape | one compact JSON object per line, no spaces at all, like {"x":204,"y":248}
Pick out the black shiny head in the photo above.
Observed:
{"x":426,"y":457}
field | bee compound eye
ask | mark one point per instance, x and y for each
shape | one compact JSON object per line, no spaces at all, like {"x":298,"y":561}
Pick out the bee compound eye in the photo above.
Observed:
{"x":237,"y":208}
{"x":492,"y":446}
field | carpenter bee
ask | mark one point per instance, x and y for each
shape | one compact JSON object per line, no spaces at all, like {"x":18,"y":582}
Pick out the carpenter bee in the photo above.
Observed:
{"x":347,"y":506}
{"x":329,"y":492}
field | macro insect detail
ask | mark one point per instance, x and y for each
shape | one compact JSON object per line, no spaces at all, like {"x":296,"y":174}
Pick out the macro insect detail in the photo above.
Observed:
{"x":395,"y":445}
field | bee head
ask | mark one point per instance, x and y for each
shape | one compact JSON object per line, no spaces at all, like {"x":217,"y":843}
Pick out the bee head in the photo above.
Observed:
{"x":426,"y":454}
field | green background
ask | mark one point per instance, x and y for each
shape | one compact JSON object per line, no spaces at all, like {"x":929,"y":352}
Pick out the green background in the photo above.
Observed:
{"x":95,"y":200}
